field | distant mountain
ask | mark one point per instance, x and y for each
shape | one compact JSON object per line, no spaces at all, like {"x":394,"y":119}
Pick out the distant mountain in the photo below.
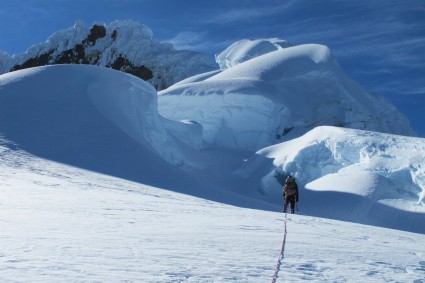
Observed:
{"x":123,"y":45}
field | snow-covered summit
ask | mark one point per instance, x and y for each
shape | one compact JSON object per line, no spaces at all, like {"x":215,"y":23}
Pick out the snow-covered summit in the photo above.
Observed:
{"x":123,"y":45}
{"x":278,"y":96}
{"x":247,"y":49}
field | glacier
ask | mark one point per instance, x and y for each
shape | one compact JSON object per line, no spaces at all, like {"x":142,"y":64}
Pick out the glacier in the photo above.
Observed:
{"x":103,"y":178}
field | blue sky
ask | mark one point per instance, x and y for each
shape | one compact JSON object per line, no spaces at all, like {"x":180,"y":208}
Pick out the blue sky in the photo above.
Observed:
{"x":379,"y":43}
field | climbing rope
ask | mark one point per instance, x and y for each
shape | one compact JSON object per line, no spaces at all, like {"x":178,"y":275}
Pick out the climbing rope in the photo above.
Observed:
{"x":281,"y":254}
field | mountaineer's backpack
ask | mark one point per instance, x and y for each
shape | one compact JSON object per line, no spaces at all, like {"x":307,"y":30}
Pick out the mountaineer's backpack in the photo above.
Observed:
{"x":290,"y":189}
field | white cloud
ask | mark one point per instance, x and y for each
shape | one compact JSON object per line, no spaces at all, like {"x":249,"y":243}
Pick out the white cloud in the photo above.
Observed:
{"x":242,"y":14}
{"x":195,"y":41}
{"x":186,"y":39}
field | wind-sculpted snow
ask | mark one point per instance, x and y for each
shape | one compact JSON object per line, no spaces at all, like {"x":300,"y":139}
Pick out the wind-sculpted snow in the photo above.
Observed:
{"x":278,"y":96}
{"x":247,"y":49}
{"x":105,"y":121}
{"x":351,"y":175}
{"x":92,"y":117}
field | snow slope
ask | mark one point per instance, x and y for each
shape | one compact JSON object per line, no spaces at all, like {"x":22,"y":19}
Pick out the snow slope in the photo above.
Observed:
{"x":65,"y":102}
{"x":347,"y":174}
{"x":276,"y":97}
{"x":105,"y":121}
{"x":63,"y":222}
{"x":96,"y":186}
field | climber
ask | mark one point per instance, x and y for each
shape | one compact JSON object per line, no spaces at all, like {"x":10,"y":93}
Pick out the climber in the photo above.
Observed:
{"x":290,"y":194}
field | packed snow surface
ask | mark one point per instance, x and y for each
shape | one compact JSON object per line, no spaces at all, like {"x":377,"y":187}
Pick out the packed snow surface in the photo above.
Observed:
{"x":63,"y":222}
{"x":276,"y":97}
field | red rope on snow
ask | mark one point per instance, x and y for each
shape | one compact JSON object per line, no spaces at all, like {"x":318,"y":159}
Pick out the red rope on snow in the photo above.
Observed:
{"x":282,"y":250}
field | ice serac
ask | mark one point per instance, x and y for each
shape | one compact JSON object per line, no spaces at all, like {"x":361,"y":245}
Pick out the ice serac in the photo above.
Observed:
{"x":123,"y":45}
{"x":278,"y":96}
{"x":351,"y":175}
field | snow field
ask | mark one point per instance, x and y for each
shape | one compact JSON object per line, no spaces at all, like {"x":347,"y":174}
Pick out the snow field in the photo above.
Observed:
{"x":79,"y":226}
{"x":67,"y":223}
{"x":323,"y":250}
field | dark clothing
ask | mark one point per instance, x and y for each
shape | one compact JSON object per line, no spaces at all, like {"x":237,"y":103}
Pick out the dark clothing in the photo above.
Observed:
{"x":289,"y":200}
{"x":290,"y":195}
